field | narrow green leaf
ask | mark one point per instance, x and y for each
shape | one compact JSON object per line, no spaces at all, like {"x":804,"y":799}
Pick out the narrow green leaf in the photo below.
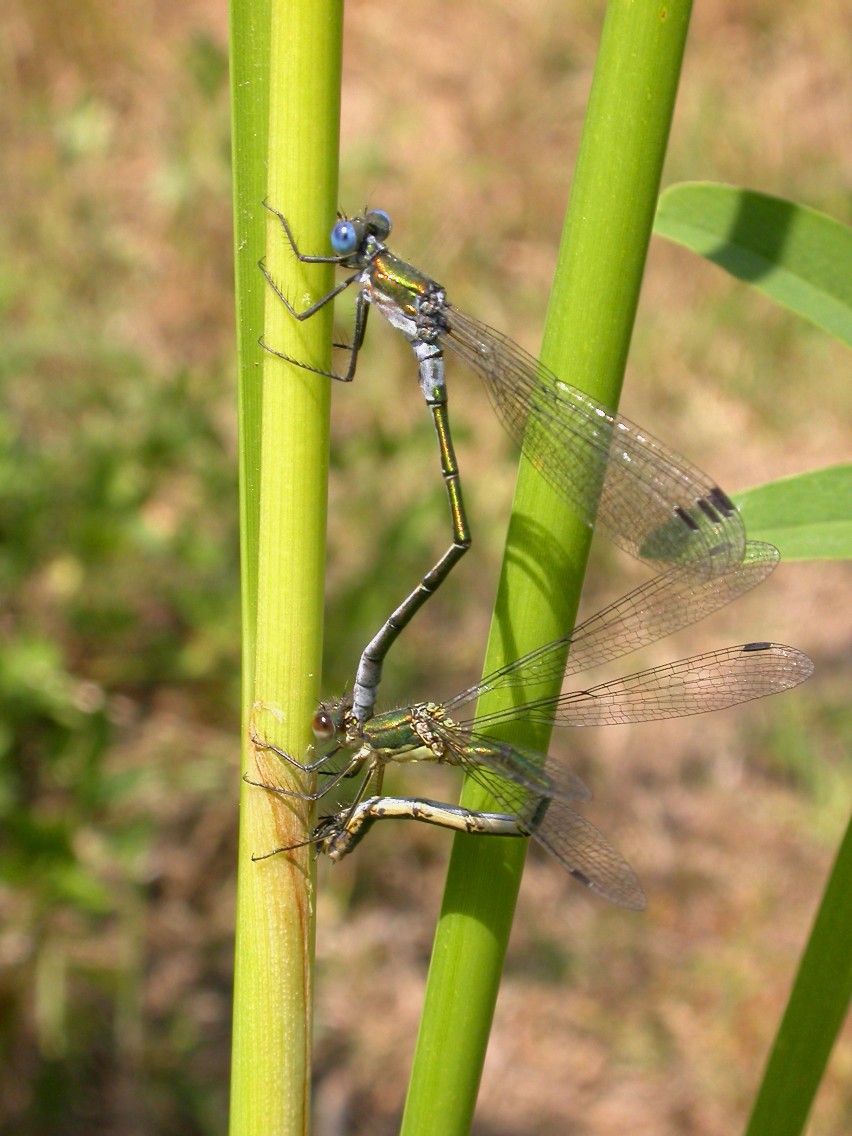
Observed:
{"x":815,"y":1013}
{"x":807,"y":517}
{"x":798,"y":257}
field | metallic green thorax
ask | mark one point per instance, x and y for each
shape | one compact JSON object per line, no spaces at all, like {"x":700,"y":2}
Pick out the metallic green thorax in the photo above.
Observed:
{"x":406,"y":735}
{"x":398,"y":282}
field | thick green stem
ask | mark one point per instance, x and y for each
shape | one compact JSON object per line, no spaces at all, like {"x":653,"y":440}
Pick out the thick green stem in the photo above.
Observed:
{"x":590,"y":320}
{"x":284,"y":458}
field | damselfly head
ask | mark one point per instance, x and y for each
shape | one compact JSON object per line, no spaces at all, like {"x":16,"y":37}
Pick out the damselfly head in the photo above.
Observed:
{"x":378,"y":224}
{"x":329,"y":721}
{"x":351,"y":237}
{"x":346,"y":236}
{"x":322,"y":725}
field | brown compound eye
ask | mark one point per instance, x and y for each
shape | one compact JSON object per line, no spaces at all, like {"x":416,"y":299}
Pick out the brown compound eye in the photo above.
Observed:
{"x":322,"y":725}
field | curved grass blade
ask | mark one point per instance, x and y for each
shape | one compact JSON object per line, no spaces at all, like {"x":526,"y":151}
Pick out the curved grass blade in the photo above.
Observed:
{"x":793,"y":254}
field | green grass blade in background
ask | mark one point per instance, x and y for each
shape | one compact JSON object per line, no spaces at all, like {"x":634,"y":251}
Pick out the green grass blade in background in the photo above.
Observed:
{"x":798,"y":257}
{"x":807,"y":516}
{"x":284,"y":466}
{"x":815,"y":1013}
{"x":590,"y":321}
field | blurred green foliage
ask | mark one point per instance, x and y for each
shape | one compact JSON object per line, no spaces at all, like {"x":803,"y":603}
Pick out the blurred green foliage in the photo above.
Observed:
{"x":118,"y":564}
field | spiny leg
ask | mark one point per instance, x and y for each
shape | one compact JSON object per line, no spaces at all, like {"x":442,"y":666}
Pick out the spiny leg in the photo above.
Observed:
{"x":320,"y":303}
{"x":350,"y":769}
{"x":304,"y":257}
{"x":361,"y":309}
{"x":311,"y":767}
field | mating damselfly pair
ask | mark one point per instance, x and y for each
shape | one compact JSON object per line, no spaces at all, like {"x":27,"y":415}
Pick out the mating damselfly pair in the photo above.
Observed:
{"x":647,"y":499}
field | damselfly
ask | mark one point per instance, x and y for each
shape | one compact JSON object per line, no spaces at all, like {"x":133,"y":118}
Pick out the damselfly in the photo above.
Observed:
{"x":431,"y":731}
{"x":646,"y":498}
{"x":573,"y":840}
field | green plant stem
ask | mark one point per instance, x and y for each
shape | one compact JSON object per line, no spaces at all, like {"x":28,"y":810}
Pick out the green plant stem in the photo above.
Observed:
{"x":590,"y":320}
{"x":284,"y":459}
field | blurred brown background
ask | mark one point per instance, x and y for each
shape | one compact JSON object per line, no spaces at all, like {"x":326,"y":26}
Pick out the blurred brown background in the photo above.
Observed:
{"x":119,"y":633}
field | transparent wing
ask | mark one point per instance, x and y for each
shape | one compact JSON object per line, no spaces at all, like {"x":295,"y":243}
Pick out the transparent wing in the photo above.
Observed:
{"x":583,"y":850}
{"x":697,"y":685}
{"x":573,"y":840}
{"x":481,"y":757}
{"x":667,"y":603}
{"x":649,"y":500}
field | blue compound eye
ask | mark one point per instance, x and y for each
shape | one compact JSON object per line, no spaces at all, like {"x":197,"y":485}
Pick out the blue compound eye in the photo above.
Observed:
{"x":344,"y":238}
{"x":379,"y":223}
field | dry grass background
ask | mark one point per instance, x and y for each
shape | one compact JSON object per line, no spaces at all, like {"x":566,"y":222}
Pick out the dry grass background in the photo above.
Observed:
{"x":462,"y":122}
